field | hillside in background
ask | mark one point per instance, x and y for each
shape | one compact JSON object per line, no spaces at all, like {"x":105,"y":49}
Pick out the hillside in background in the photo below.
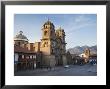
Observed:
{"x":80,"y":49}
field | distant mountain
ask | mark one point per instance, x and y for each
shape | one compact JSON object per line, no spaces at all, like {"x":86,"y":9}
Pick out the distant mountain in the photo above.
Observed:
{"x":80,"y":49}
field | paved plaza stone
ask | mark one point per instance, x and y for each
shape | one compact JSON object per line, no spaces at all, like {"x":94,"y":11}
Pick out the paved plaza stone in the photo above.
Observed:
{"x":72,"y":70}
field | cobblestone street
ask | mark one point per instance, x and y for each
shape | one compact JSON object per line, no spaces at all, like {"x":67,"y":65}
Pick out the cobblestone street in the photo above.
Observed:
{"x":72,"y":70}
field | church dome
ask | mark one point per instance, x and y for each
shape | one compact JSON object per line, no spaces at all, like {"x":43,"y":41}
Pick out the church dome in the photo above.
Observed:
{"x":20,"y":36}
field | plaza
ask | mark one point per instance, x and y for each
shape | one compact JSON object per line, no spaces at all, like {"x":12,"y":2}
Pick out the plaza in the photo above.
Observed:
{"x":72,"y":70}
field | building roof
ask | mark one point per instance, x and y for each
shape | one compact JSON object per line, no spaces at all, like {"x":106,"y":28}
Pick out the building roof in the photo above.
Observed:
{"x":18,"y":49}
{"x":20,"y":36}
{"x":48,"y":23}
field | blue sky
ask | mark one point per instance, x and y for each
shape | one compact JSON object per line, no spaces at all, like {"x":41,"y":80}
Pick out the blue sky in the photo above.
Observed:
{"x":80,"y":29}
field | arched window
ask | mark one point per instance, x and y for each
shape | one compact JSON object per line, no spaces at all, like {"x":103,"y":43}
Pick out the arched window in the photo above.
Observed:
{"x":46,"y":44}
{"x":45,"y":33}
{"x":22,"y":56}
{"x":18,"y":43}
{"x":46,"y":26}
{"x":52,"y":50}
{"x":30,"y":56}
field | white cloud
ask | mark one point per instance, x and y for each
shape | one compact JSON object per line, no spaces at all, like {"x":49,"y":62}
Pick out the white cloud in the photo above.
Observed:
{"x":81,"y":19}
{"x":80,"y":22}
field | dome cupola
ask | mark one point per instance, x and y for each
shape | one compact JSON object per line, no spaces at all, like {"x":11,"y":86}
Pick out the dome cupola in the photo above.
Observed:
{"x":20,"y":36}
{"x":48,"y":25}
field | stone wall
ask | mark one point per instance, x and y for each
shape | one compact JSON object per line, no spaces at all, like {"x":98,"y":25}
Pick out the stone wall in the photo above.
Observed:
{"x":64,"y":60}
{"x":37,"y":46}
{"x":49,"y":60}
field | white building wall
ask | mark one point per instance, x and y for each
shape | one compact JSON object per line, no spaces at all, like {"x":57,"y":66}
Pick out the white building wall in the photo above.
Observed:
{"x":16,"y":57}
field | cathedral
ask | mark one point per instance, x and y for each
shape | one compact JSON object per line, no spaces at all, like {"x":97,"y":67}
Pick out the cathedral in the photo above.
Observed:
{"x":50,"y":51}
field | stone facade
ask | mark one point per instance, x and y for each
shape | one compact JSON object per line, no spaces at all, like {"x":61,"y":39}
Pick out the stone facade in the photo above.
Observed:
{"x":52,"y":45}
{"x":25,"y":59}
{"x":87,"y":52}
{"x":69,"y":58}
{"x":86,"y":55}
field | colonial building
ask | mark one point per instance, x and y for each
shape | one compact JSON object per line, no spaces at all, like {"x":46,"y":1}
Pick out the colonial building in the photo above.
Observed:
{"x":25,"y":57}
{"x":52,"y":48}
{"x":69,"y":57}
{"x":85,"y":55}
{"x":53,"y":44}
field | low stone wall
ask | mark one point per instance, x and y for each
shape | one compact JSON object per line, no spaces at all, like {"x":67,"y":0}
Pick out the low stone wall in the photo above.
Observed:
{"x":49,"y":60}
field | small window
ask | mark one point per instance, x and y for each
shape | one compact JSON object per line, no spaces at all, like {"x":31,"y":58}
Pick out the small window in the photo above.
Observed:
{"x":52,"y":50}
{"x":46,"y":44}
{"x":18,"y":43}
{"x":23,"y":56}
{"x":20,"y":56}
{"x":46,"y":26}
{"x":30,"y":56}
{"x":34,"y":56}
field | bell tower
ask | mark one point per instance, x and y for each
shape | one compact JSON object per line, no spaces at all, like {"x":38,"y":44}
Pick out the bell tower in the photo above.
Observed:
{"x":61,"y":46}
{"x":87,"y":52}
{"x":48,"y":38}
{"x":61,"y":34}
